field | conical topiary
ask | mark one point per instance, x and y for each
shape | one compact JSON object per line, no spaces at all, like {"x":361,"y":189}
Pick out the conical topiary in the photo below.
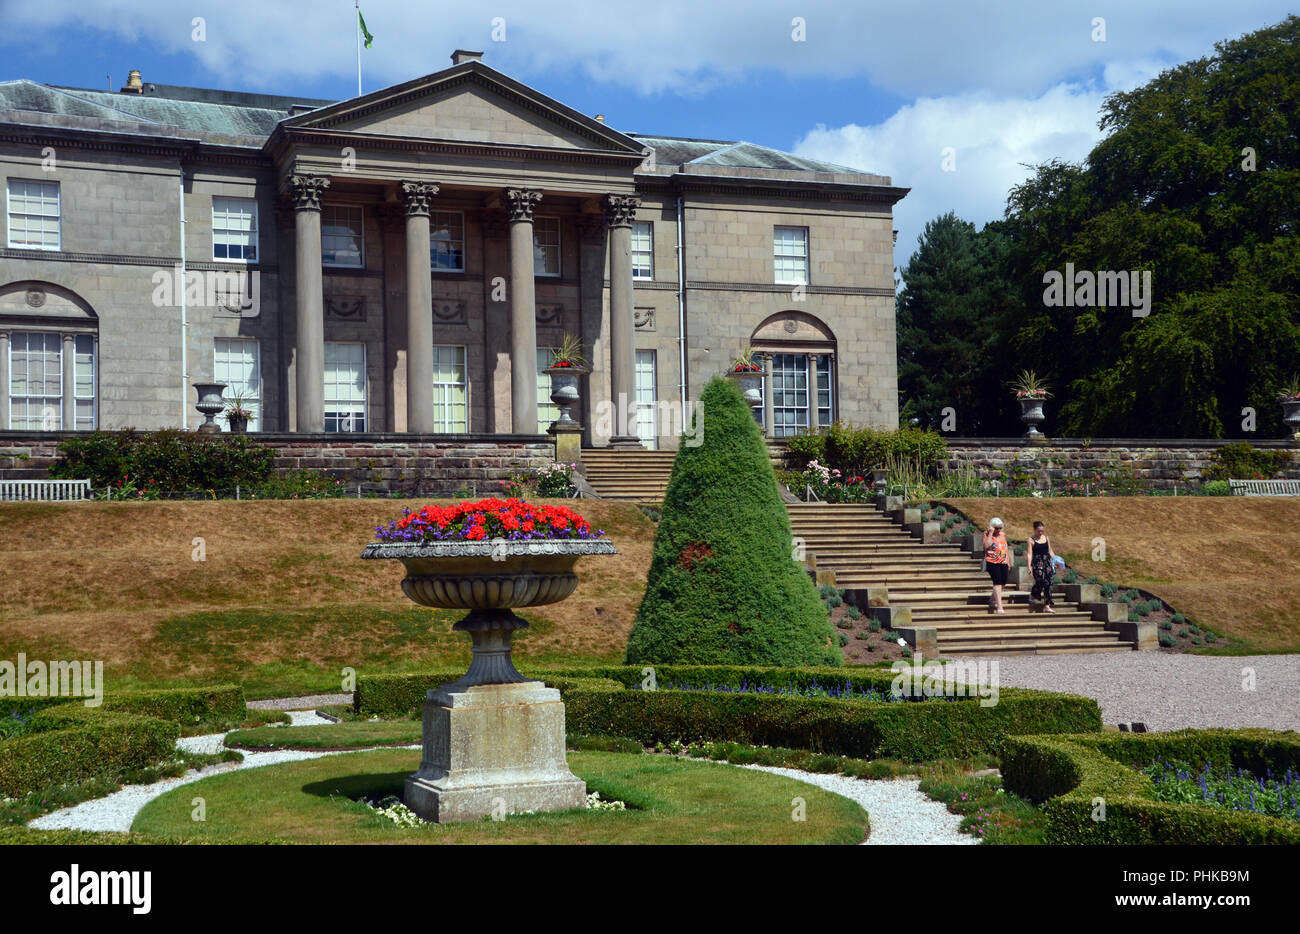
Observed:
{"x":724,"y":587}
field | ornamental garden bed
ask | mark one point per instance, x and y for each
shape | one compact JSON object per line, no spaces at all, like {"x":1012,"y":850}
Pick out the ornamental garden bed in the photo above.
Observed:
{"x":863,"y":640}
{"x":1147,"y":788}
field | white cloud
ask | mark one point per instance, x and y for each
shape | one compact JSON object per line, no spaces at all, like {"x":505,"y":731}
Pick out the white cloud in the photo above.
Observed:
{"x":927,"y":47}
{"x":992,"y":140}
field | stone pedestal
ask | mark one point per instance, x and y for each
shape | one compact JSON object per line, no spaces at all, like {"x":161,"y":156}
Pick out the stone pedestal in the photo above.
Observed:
{"x":493,"y":748}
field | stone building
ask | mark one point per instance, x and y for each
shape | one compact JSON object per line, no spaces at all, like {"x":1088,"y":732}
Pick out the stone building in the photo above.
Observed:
{"x":402,"y":261}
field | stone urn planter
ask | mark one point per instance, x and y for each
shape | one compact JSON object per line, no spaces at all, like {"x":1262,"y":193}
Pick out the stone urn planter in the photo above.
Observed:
{"x":493,"y":740}
{"x":564,"y":392}
{"x":750,"y":383}
{"x":1031,"y":413}
{"x":1291,"y":418}
{"x":210,"y":404}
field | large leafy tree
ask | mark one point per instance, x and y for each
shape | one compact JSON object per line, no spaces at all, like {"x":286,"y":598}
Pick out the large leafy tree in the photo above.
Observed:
{"x":1197,"y":181}
{"x":723,"y":586}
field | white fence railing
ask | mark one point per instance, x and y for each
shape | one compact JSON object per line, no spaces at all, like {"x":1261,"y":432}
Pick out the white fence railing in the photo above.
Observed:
{"x":1264,"y":487}
{"x":45,"y":490}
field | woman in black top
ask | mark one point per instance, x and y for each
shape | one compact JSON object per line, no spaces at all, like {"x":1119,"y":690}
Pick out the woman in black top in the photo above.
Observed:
{"x":1040,"y":561}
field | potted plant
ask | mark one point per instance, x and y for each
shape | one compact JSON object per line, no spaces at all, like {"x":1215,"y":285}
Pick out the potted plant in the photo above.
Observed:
{"x":748,"y":374}
{"x":237,"y":412}
{"x":1289,"y":397}
{"x":1031,"y":392}
{"x":568,"y":364}
{"x":492,"y":733}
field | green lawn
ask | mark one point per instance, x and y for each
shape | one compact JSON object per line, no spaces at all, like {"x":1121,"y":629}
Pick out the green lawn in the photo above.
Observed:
{"x":671,"y":801}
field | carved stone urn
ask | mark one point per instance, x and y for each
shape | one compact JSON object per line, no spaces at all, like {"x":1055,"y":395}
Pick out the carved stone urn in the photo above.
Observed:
{"x":750,"y":383}
{"x":564,"y":391}
{"x":1291,"y":418}
{"x":493,"y":739}
{"x":1031,"y":413}
{"x":210,"y":405}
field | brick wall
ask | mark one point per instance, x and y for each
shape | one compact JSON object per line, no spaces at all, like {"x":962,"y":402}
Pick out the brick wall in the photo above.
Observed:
{"x":424,"y":465}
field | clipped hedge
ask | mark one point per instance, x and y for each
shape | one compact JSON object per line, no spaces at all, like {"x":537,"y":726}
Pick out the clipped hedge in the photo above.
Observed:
{"x":401,"y":695}
{"x":1069,"y":774}
{"x":164,"y":460}
{"x":70,"y":742}
{"x":102,"y":744}
{"x":861,"y":728}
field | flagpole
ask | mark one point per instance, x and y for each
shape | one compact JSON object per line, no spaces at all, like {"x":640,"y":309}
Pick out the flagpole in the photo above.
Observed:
{"x":357,"y":25}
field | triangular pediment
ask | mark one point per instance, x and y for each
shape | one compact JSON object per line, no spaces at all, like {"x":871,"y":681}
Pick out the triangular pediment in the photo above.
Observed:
{"x":469,"y":103}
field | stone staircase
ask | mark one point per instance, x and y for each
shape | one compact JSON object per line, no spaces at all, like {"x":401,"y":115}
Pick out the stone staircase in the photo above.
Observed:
{"x":941,"y":584}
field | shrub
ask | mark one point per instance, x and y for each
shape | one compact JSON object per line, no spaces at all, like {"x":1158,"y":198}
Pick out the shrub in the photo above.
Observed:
{"x":911,"y":731}
{"x":164,"y":460}
{"x":97,"y":745}
{"x":858,"y":451}
{"x":722,"y":586}
{"x":853,"y":613}
{"x":1216,"y":488}
{"x":1069,"y":773}
{"x":1167,"y":640}
{"x":1134,"y":616}
{"x":1240,"y":461}
{"x":1178,"y":619}
{"x":844,"y":639}
{"x":1108,"y":590}
{"x":1166,"y":625}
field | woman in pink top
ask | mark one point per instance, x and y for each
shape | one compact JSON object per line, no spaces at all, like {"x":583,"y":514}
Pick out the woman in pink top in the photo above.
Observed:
{"x":997,"y":559}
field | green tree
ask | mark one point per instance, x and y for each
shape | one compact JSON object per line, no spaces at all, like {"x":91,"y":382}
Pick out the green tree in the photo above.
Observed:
{"x":948,"y":315}
{"x":723,"y":586}
{"x":1197,"y":182}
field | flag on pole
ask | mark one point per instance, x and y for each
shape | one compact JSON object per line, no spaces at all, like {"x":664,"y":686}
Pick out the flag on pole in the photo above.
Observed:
{"x":361,"y":21}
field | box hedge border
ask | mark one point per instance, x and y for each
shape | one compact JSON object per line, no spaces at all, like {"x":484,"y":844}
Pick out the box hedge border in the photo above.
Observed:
{"x":70,"y":742}
{"x":597,"y":702}
{"x":1068,"y":773}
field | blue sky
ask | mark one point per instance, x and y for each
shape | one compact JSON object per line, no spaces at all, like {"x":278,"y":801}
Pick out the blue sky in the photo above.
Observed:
{"x":887,"y":87}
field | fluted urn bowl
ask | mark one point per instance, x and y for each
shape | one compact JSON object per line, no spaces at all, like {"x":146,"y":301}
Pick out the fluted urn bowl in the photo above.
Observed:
{"x":489,"y":578}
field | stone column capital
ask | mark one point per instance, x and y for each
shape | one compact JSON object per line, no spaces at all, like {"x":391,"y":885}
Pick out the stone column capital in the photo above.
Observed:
{"x":620,"y":210}
{"x":520,"y":203}
{"x":416,"y":196}
{"x":305,"y":191}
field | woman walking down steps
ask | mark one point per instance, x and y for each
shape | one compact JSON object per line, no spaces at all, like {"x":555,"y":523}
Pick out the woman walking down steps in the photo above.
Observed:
{"x":997,"y":560}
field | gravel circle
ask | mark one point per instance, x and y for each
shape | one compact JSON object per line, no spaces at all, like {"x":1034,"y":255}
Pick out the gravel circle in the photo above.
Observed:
{"x":900,"y":814}
{"x":118,"y":810}
{"x":1168,"y":692}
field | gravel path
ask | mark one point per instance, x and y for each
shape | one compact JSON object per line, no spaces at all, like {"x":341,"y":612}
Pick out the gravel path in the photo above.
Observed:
{"x":900,"y":814}
{"x":1169,"y":692}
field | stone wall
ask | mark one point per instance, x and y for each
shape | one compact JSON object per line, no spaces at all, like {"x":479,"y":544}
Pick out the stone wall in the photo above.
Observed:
{"x":1156,"y":464}
{"x":413,"y":465}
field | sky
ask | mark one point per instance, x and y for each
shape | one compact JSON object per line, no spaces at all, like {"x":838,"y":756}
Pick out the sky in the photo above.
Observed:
{"x":953,"y":99}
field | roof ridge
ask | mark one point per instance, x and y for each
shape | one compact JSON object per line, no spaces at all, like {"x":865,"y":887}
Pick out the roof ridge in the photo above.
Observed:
{"x":140,"y":118}
{"x":716,"y":152}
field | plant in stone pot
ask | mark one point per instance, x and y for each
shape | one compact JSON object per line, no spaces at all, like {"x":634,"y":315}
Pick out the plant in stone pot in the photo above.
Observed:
{"x":568,"y":364}
{"x":237,"y":413}
{"x":747,"y":373}
{"x":1289,"y":397}
{"x":492,"y":733}
{"x":1031,"y":392}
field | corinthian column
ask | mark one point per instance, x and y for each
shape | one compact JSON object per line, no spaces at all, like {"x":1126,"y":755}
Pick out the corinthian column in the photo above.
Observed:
{"x":523,"y":311}
{"x":620,"y":212}
{"x":419,"y":308}
{"x":309,"y":355}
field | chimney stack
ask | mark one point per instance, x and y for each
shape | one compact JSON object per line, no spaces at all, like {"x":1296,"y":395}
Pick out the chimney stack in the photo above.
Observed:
{"x":461,"y":56}
{"x":133,"y":84}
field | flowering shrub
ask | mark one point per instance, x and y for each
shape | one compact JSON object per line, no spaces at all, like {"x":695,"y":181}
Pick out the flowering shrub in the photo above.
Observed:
{"x":596,"y":803}
{"x":831,"y":486}
{"x":551,"y":480}
{"x":512,"y":519}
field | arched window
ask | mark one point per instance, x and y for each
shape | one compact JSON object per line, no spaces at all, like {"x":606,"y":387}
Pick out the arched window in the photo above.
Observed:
{"x":803,"y":381}
{"x":49,"y":353}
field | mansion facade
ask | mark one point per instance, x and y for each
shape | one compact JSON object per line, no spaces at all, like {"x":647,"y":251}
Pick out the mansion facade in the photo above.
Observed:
{"x":404,"y":261}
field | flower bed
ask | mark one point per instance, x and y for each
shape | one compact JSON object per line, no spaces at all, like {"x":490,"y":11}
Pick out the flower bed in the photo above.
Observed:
{"x":511,"y":519}
{"x":1068,"y":774}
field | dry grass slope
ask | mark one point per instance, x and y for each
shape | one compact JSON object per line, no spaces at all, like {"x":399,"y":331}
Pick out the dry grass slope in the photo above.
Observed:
{"x":1230,"y":563}
{"x":281,"y":583}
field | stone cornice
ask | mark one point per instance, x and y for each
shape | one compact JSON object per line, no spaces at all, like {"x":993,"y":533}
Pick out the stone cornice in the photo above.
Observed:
{"x":132,"y":259}
{"x":787,"y":288}
{"x":776,"y":188}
